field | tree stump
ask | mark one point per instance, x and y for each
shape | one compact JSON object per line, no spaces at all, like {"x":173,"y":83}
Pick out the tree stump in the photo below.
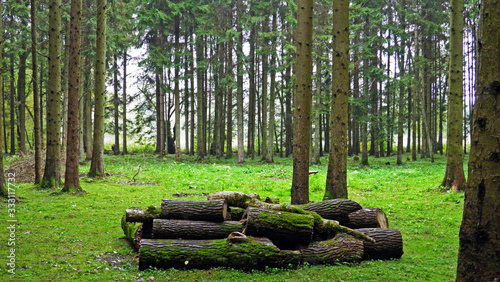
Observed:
{"x":388,"y":243}
{"x":253,"y":253}
{"x":212,"y":210}
{"x":189,"y":229}
{"x":368,"y":218}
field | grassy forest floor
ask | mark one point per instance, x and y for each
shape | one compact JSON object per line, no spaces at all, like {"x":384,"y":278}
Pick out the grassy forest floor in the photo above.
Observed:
{"x":67,"y":237}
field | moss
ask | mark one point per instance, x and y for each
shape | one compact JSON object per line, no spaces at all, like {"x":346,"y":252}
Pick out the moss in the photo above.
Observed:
{"x":153,"y":212}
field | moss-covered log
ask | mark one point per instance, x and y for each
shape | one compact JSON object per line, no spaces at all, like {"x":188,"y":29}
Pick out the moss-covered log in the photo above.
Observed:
{"x":135,"y":214}
{"x":236,"y":213}
{"x":368,"y":218}
{"x":189,"y":229}
{"x":341,"y":248}
{"x":132,"y":231}
{"x":236,"y":199}
{"x":286,"y":230}
{"x":336,"y":209}
{"x":212,"y":210}
{"x":254,"y":253}
{"x":388,"y":243}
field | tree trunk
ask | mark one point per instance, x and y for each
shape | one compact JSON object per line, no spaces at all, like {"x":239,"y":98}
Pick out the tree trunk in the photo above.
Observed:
{"x":21,"y":99}
{"x":302,"y":116}
{"x":88,"y":112}
{"x":36,"y":95}
{"x":479,"y":254}
{"x":124,"y":105}
{"x":388,"y":243}
{"x":272,"y":97}
{"x":97,"y":164}
{"x":12,"y":107}
{"x":454,"y":176}
{"x":200,"y":132}
{"x":3,"y":192}
{"x":368,"y":218}
{"x":239,"y":83}
{"x":246,"y":253}
{"x":210,"y":210}
{"x":190,"y":229}
{"x":52,"y":172}
{"x":177,"y":99}
{"x":336,"y":179}
{"x":335,"y":209}
{"x":72,"y":175}
{"x":135,"y":214}
{"x":116,"y":102}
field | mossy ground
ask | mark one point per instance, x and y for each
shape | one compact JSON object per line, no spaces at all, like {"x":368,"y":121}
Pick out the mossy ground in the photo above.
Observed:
{"x":79,"y":237}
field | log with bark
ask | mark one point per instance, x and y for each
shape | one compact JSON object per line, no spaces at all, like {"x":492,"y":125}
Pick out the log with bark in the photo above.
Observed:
{"x":335,"y":209}
{"x":368,"y":218}
{"x":133,"y":232}
{"x":135,"y":214}
{"x":246,"y":253}
{"x":342,"y":248}
{"x":190,"y":229}
{"x":211,"y":210}
{"x":388,"y":243}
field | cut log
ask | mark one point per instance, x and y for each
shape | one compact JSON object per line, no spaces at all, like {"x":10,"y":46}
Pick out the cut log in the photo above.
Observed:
{"x":342,"y":248}
{"x":368,"y":218}
{"x":189,"y":229}
{"x":336,"y":209}
{"x":135,"y":214}
{"x":212,"y":210}
{"x":388,"y":243}
{"x":254,"y":253}
{"x":236,"y":199}
{"x":286,"y":230}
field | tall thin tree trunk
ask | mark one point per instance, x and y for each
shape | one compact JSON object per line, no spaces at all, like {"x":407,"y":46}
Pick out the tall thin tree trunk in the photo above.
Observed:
{"x":116,"y":102}
{"x":302,"y":116}
{"x":97,"y":164}
{"x":2,"y":125}
{"x":336,"y":178}
{"x":52,"y":172}
{"x":72,"y":175}
{"x":21,"y":98}
{"x":200,"y":133}
{"x":177,"y":99}
{"x":454,"y":175}
{"x":36,"y":94}
{"x":124,"y":105}
{"x":239,"y":83}
{"x":12,"y":106}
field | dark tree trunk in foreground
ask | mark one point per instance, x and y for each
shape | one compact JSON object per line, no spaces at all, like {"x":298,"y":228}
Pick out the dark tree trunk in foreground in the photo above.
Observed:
{"x":479,"y":254}
{"x":303,"y":99}
{"x":97,"y":164}
{"x":336,"y":178}
{"x":71,"y":179}
{"x":52,"y":172}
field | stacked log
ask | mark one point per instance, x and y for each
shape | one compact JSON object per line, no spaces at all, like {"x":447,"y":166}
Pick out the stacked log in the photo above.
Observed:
{"x":237,"y":230}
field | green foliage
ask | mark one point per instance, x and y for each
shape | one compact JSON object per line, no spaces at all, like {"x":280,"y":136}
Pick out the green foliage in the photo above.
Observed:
{"x":80,"y":237}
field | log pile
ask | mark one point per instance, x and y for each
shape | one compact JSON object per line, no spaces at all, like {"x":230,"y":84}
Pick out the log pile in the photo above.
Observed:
{"x":237,"y":230}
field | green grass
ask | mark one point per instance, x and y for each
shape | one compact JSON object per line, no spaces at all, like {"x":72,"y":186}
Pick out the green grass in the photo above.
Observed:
{"x":78,"y":237}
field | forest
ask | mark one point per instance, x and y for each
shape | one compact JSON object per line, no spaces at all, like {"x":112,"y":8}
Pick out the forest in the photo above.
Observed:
{"x":311,"y":94}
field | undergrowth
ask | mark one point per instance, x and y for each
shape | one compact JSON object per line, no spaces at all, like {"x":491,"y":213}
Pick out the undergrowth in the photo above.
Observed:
{"x":78,"y":237}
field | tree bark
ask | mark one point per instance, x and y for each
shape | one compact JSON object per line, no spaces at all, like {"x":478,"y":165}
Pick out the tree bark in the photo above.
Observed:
{"x":97,"y":164}
{"x":2,"y":127}
{"x":302,"y":102}
{"x":336,"y":179}
{"x":177,"y":99}
{"x":239,"y":83}
{"x":52,"y":172}
{"x":479,"y":251}
{"x":124,"y":105}
{"x":246,"y":253}
{"x":116,"y":103}
{"x":342,"y":248}
{"x":210,"y":210}
{"x":388,"y":243}
{"x":190,"y":229}
{"x":36,"y":95}
{"x":21,"y":99}
{"x":286,"y":230}
{"x":72,"y":175}
{"x":368,"y":218}
{"x":454,"y":176}
{"x":336,"y":209}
